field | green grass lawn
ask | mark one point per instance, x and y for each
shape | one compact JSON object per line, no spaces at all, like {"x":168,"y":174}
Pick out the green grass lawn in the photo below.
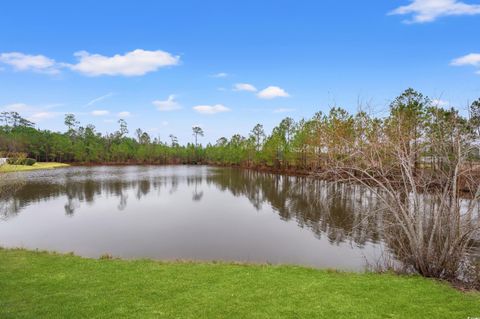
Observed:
{"x":40,"y":165}
{"x":45,"y":285}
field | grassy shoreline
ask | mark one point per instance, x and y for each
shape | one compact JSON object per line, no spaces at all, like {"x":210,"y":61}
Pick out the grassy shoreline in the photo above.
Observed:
{"x":7,"y":168}
{"x":49,"y":285}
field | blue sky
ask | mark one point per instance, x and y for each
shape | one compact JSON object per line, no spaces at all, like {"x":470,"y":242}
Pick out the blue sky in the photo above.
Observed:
{"x":227,"y":65}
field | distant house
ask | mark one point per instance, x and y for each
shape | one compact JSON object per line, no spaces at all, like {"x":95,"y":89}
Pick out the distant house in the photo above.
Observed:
{"x":3,"y":160}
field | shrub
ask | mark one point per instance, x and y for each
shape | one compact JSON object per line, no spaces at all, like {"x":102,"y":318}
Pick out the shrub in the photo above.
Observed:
{"x":21,"y":161}
{"x":30,"y":161}
{"x":13,"y":161}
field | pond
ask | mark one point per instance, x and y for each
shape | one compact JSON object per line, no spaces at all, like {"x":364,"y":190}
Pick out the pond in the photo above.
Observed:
{"x":189,"y":213}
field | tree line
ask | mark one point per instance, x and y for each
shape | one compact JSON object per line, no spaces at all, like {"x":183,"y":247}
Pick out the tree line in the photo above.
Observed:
{"x":307,"y":144}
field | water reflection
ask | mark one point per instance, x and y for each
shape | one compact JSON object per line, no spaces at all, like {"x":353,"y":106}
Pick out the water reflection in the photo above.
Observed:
{"x":85,"y":186}
{"x":338,"y":212}
{"x":334,"y":211}
{"x":333,"y":214}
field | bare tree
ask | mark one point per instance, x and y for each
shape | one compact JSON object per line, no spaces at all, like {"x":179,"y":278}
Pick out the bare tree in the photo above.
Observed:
{"x":428,"y":220}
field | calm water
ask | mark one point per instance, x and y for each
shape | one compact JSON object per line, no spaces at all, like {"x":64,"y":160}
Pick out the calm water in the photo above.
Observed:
{"x":188,"y":212}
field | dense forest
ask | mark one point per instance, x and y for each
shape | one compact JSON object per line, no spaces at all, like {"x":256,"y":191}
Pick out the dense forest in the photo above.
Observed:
{"x":303,"y":145}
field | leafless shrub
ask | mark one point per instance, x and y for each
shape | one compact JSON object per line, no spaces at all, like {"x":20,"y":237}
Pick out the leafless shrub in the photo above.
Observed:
{"x":417,"y":165}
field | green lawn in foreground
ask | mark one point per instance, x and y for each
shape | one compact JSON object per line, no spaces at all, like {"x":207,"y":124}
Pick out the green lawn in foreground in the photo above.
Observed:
{"x":43,"y":285}
{"x":39,"y":165}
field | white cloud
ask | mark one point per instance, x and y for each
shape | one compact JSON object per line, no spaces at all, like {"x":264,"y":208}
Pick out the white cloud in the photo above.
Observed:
{"x":429,"y":10}
{"x":32,"y":113}
{"x":469,"y":59}
{"x":25,"y":62}
{"x":220,"y":75}
{"x":472,"y":59}
{"x":124,"y":114}
{"x":272,"y":92}
{"x":283,"y":110}
{"x":100,"y":112}
{"x":17,"y":107}
{"x":211,"y":109}
{"x":98,"y":99}
{"x":169,"y":104}
{"x":440,"y":103}
{"x":53,"y":105}
{"x":244,"y":87}
{"x":134,"y":63}
{"x":40,"y":116}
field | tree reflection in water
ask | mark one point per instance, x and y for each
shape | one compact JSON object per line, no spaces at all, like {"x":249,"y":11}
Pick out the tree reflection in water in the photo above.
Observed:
{"x":335,"y":212}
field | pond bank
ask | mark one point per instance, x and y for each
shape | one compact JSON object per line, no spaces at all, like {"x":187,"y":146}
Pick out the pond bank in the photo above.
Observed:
{"x":43,"y":285}
{"x":40,"y":165}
